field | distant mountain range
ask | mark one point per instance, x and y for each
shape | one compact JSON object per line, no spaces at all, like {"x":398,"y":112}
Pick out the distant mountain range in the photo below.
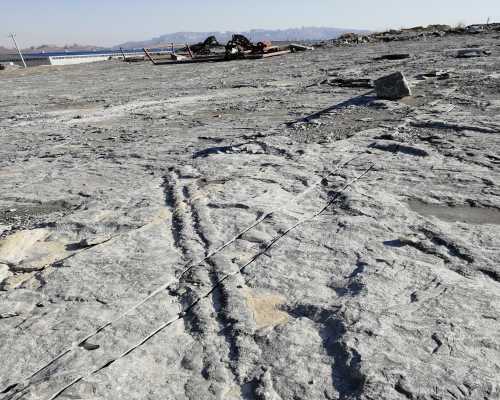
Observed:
{"x":255,"y":35}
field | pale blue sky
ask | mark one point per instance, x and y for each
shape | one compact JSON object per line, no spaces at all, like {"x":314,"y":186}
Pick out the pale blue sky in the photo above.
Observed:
{"x":109,"y":22}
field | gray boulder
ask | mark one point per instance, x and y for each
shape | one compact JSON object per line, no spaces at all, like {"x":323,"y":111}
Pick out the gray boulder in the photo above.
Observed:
{"x":392,"y":87}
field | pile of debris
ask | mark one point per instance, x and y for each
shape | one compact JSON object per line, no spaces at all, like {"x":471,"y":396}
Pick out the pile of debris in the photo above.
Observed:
{"x":238,"y":48}
{"x":241,"y":47}
{"x":205,"y":47}
{"x":415,"y":33}
{"x":351,"y":38}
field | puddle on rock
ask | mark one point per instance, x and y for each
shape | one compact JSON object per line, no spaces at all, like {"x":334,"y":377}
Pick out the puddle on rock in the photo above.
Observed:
{"x":464,"y":213}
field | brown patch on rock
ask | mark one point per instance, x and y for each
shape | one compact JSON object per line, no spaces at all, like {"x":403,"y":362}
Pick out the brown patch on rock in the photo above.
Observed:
{"x":265,"y":309}
{"x":30,"y":250}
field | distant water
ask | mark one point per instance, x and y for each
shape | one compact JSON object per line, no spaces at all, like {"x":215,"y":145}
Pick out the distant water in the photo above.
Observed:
{"x":78,"y":53}
{"x":69,"y":53}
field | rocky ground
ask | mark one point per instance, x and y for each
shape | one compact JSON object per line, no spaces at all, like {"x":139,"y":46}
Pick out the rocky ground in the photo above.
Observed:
{"x":245,"y":230}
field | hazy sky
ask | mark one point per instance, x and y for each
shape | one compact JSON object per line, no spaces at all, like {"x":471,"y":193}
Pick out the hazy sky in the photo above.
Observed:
{"x":110,"y":22}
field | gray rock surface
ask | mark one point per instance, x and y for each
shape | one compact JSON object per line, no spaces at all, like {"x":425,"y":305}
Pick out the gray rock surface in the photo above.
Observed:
{"x":344,"y":247}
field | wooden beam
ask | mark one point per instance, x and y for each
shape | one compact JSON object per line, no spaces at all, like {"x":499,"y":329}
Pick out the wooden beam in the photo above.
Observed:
{"x":148,"y":55}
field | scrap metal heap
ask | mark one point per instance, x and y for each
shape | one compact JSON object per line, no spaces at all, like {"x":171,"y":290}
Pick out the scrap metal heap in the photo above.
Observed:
{"x":239,"y":47}
{"x":205,"y":48}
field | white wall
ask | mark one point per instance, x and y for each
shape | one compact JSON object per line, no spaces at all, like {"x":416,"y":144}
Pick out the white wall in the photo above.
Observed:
{"x":69,"y":60}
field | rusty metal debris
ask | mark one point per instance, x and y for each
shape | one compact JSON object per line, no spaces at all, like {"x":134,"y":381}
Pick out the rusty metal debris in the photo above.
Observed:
{"x":206,"y":47}
{"x":300,"y":47}
{"x":238,"y":48}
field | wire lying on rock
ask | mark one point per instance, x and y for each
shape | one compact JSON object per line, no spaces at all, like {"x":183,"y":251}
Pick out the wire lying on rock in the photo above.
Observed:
{"x":217,"y":284}
{"x":190,"y":265}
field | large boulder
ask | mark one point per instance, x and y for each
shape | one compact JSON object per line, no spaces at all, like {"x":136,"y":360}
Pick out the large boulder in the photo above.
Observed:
{"x":392,"y":87}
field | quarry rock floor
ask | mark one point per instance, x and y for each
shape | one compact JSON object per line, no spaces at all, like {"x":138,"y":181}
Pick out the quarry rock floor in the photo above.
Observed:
{"x":242,"y":231}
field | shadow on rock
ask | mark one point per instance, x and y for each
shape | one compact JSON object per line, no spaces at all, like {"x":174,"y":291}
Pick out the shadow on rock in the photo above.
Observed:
{"x":346,"y":369}
{"x":361,"y":100}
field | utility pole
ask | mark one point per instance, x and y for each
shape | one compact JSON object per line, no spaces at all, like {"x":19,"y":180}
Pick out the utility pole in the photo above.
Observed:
{"x":13,"y":37}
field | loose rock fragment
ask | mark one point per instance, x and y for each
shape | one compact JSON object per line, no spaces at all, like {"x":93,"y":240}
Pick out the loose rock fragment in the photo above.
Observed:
{"x":393,"y":56}
{"x":440,"y":75}
{"x":399,"y":148}
{"x":469,"y":52}
{"x":350,"y":82}
{"x":300,"y":47}
{"x":392,"y":87}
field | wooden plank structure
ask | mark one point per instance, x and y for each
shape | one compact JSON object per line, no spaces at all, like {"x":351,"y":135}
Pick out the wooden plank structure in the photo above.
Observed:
{"x":177,"y":60}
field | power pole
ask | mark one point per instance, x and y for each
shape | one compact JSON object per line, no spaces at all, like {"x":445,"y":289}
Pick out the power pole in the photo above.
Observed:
{"x":13,"y":37}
